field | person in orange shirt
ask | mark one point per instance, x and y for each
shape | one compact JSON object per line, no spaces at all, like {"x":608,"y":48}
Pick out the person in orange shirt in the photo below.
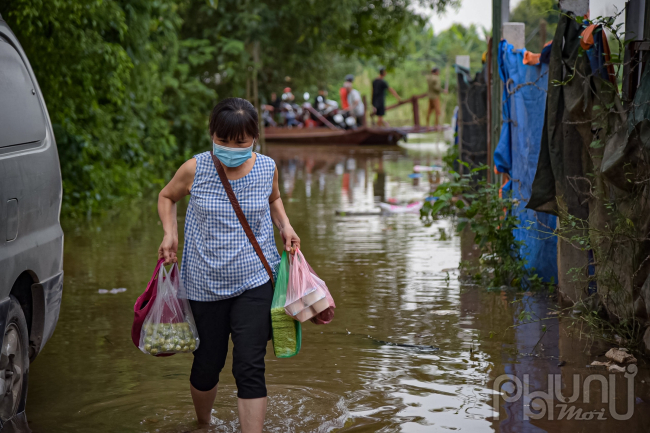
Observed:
{"x":345,"y":90}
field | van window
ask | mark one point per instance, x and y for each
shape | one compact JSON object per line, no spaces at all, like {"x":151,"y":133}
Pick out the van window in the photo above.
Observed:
{"x":21,"y":116}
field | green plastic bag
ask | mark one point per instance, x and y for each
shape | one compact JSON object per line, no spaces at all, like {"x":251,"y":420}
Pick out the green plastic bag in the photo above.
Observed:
{"x":287,"y":333}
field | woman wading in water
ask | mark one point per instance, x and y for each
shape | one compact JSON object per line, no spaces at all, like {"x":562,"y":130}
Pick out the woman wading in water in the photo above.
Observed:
{"x":228,"y":287}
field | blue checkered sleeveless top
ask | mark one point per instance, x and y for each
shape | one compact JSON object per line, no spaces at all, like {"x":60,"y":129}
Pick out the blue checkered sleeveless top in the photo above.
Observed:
{"x":219,"y":261}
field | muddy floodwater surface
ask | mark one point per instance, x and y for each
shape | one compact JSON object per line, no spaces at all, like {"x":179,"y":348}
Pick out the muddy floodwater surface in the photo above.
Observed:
{"x":410,"y":349}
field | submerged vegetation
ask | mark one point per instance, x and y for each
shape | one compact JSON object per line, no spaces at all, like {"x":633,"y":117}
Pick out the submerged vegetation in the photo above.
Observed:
{"x":479,"y":206}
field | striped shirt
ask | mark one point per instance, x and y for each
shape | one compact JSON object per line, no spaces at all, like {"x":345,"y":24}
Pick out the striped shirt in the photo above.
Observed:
{"x":219,"y":261}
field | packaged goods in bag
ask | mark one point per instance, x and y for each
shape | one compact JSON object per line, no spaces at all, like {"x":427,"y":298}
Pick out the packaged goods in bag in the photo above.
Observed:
{"x":325,"y":310}
{"x":286,"y":331}
{"x":307,"y":295}
{"x":169,"y":326}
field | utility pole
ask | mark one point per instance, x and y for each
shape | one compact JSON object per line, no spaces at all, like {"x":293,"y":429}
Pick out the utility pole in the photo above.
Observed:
{"x":500,"y":15}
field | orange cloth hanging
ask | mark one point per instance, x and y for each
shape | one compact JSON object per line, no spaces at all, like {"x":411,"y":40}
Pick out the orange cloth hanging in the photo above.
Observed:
{"x":531,"y":59}
{"x":587,"y":39}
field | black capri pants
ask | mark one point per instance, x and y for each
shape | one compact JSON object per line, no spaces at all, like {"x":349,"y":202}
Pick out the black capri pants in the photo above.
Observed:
{"x":247,"y":318}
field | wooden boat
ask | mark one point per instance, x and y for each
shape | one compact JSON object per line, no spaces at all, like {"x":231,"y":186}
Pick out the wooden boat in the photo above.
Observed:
{"x":363,"y":135}
{"x":331,"y":134}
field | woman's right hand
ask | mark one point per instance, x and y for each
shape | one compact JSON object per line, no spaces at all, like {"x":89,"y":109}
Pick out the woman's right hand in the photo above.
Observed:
{"x":168,"y":249}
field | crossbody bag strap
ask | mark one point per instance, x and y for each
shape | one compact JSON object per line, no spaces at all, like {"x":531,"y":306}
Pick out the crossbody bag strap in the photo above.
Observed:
{"x":240,"y":215}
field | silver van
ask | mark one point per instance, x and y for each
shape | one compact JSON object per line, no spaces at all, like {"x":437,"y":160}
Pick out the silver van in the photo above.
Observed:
{"x":31,"y":238}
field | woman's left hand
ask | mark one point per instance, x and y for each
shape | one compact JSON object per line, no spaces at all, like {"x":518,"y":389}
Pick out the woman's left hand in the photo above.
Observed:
{"x":290,"y":238}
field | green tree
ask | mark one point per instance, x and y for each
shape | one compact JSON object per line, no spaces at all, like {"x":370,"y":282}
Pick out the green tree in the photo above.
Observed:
{"x":129,"y":84}
{"x":299,"y":39}
{"x":104,"y":67}
{"x":531,"y":12}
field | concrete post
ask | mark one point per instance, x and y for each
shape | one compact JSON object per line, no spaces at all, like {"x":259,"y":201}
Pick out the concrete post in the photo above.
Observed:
{"x":462,"y":61}
{"x":515,"y":33}
{"x":579,"y":7}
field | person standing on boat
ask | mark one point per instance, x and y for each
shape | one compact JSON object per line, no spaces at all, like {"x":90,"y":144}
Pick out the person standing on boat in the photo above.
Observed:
{"x":355,"y":104}
{"x":433,"y":92}
{"x":287,"y":96}
{"x":320,"y":99}
{"x":345,"y":90}
{"x":379,"y":87}
{"x":228,"y":288}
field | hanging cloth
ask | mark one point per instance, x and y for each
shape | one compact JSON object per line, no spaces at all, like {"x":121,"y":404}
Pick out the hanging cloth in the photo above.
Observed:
{"x":524,"y":99}
{"x":564,"y":159}
{"x":594,"y":42}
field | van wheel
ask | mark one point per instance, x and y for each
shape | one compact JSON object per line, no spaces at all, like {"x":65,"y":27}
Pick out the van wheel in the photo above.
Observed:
{"x":14,"y":363}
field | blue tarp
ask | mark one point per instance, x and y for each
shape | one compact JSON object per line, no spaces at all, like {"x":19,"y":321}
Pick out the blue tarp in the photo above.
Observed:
{"x":524,"y":103}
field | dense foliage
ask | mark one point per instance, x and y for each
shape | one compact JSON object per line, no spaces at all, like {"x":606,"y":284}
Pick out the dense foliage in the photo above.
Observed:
{"x":129,"y":83}
{"x":112,"y":78}
{"x":531,"y":13}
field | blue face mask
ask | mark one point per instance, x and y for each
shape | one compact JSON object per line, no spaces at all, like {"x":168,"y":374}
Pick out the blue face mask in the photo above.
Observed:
{"x":232,"y":157}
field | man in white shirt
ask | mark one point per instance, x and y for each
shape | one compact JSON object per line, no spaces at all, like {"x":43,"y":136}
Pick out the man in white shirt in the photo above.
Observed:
{"x":356,"y":107}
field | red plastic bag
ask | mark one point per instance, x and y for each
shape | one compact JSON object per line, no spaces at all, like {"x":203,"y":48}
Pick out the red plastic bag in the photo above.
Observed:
{"x":307,"y":295}
{"x":168,"y":326}
{"x":143,"y":304}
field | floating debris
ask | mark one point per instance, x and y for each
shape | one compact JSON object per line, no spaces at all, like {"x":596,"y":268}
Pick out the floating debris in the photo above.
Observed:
{"x":622,"y":356}
{"x":112,"y":291}
{"x":615,"y":369}
{"x":616,"y":357}
{"x":409,"y":208}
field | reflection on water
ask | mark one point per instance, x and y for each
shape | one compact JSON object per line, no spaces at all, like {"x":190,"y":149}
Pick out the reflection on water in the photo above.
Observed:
{"x":393,"y":281}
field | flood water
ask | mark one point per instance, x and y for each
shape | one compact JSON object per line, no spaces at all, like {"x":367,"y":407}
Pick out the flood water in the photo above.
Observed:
{"x":395,"y":283}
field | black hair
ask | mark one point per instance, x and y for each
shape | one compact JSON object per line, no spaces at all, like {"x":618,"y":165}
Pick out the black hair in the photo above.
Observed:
{"x":382,"y":71}
{"x":435,"y":69}
{"x":234,"y":119}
